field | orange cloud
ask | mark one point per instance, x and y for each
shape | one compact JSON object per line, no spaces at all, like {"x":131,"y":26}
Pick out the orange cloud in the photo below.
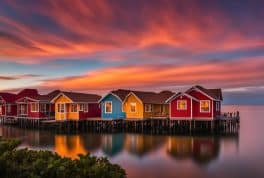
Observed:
{"x":244,"y":72}
{"x":82,"y":28}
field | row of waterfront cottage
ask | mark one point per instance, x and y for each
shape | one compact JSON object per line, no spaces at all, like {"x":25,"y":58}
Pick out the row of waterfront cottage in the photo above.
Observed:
{"x":197,"y":103}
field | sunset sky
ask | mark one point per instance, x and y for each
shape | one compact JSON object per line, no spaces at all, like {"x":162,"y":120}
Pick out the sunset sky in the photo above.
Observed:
{"x":97,"y":46}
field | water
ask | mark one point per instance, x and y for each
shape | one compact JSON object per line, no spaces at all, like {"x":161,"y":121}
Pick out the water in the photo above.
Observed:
{"x":165,"y":156}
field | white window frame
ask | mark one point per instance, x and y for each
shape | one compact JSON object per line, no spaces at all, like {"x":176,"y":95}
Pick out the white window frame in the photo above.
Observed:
{"x":111,"y":107}
{"x":178,"y":102}
{"x":208,"y":105}
{"x":81,"y":107}
{"x":217,"y":106}
{"x":36,"y":109}
{"x":1,"y":109}
{"x":145,"y":107}
{"x":86,"y":107}
{"x":135,"y":104}
{"x":45,"y":107}
{"x":8,"y":108}
{"x":73,"y":105}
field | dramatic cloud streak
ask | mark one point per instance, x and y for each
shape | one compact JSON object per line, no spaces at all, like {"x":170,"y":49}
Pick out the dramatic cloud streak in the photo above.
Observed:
{"x":63,"y":28}
{"x":227,"y":74}
{"x":17,"y":77}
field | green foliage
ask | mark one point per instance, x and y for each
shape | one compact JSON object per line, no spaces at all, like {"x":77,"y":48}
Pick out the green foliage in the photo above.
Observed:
{"x":24,"y":163}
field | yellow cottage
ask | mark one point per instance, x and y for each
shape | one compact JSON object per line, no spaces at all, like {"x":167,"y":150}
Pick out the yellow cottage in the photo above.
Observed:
{"x":76,"y":106}
{"x":144,"y":105}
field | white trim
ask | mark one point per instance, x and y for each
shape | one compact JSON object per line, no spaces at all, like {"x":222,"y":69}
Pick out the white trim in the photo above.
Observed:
{"x":195,"y":88}
{"x":73,"y":104}
{"x":148,"y":105}
{"x":81,"y":109}
{"x":182,"y":100}
{"x":28,"y":98}
{"x":110,"y":93}
{"x":111,"y":107}
{"x":212,"y":110}
{"x":191,"y":108}
{"x":86,"y":109}
{"x":60,"y":94}
{"x":132,"y":93}
{"x":176,"y":95}
{"x":209,"y":111}
{"x":135,"y":107}
{"x":36,"y":108}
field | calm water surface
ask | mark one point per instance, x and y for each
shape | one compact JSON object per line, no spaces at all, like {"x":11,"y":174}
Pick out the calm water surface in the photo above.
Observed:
{"x":166,"y":156}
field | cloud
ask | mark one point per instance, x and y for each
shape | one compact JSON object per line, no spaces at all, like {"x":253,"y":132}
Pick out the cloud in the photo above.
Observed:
{"x":18,"y":77}
{"x":225,"y":74}
{"x":50,"y":29}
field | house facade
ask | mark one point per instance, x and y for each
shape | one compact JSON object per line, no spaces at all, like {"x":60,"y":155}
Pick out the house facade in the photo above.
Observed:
{"x":76,"y":106}
{"x":36,"y":106}
{"x":8,"y":107}
{"x":111,"y":104}
{"x":197,"y":103}
{"x":140,"y":105}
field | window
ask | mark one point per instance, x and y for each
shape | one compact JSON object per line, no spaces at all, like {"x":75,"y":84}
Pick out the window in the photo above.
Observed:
{"x":61,"y":108}
{"x":23,"y":109}
{"x":42,"y":107}
{"x":1,"y":108}
{"x":108,"y":107}
{"x":73,"y":107}
{"x":205,"y":106}
{"x":133,"y":107}
{"x":86,"y":107}
{"x":148,"y":107}
{"x":217,"y":105}
{"x":181,"y":105}
{"x":8,"y":108}
{"x":34,"y":107}
{"x":81,"y":107}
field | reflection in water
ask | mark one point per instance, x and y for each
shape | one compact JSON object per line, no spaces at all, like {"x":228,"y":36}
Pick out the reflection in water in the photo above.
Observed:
{"x":112,"y":144}
{"x":140,"y":145}
{"x":200,"y":149}
{"x":69,"y":146}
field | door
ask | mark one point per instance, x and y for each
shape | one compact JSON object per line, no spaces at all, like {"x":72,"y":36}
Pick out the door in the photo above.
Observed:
{"x":63,"y":111}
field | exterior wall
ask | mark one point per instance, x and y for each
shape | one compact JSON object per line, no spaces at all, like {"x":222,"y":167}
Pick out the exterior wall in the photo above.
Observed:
{"x":139,"y":108}
{"x":94,"y":110}
{"x":117,"y":112}
{"x":180,"y":114}
{"x":60,"y":100}
{"x":196,"y":106}
{"x":158,"y":110}
{"x":3,"y":109}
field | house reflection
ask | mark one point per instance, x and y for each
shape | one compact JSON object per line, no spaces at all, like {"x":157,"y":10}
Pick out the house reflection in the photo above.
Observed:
{"x":92,"y":142}
{"x":112,"y":144}
{"x":140,"y":145}
{"x":32,"y":138}
{"x":69,"y":146}
{"x":200,"y":149}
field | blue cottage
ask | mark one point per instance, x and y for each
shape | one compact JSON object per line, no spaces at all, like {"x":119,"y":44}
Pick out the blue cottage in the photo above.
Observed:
{"x":111,"y":104}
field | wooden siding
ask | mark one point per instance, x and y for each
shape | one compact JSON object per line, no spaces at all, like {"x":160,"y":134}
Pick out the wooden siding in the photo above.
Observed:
{"x":139,"y":107}
{"x":175,"y":113}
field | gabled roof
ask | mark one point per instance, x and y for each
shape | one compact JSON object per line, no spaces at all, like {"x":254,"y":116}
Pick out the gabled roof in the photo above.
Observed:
{"x":41,"y":98}
{"x":119,"y":94}
{"x":8,"y":97}
{"x":79,"y":97}
{"x":213,"y":93}
{"x":180,"y":94}
{"x":28,"y":93}
{"x":152,"y":97}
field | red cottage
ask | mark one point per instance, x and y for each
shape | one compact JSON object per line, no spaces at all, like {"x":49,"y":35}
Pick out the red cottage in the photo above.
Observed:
{"x":197,"y":103}
{"x":8,"y":107}
{"x":76,"y":106}
{"x":35,"y":106}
